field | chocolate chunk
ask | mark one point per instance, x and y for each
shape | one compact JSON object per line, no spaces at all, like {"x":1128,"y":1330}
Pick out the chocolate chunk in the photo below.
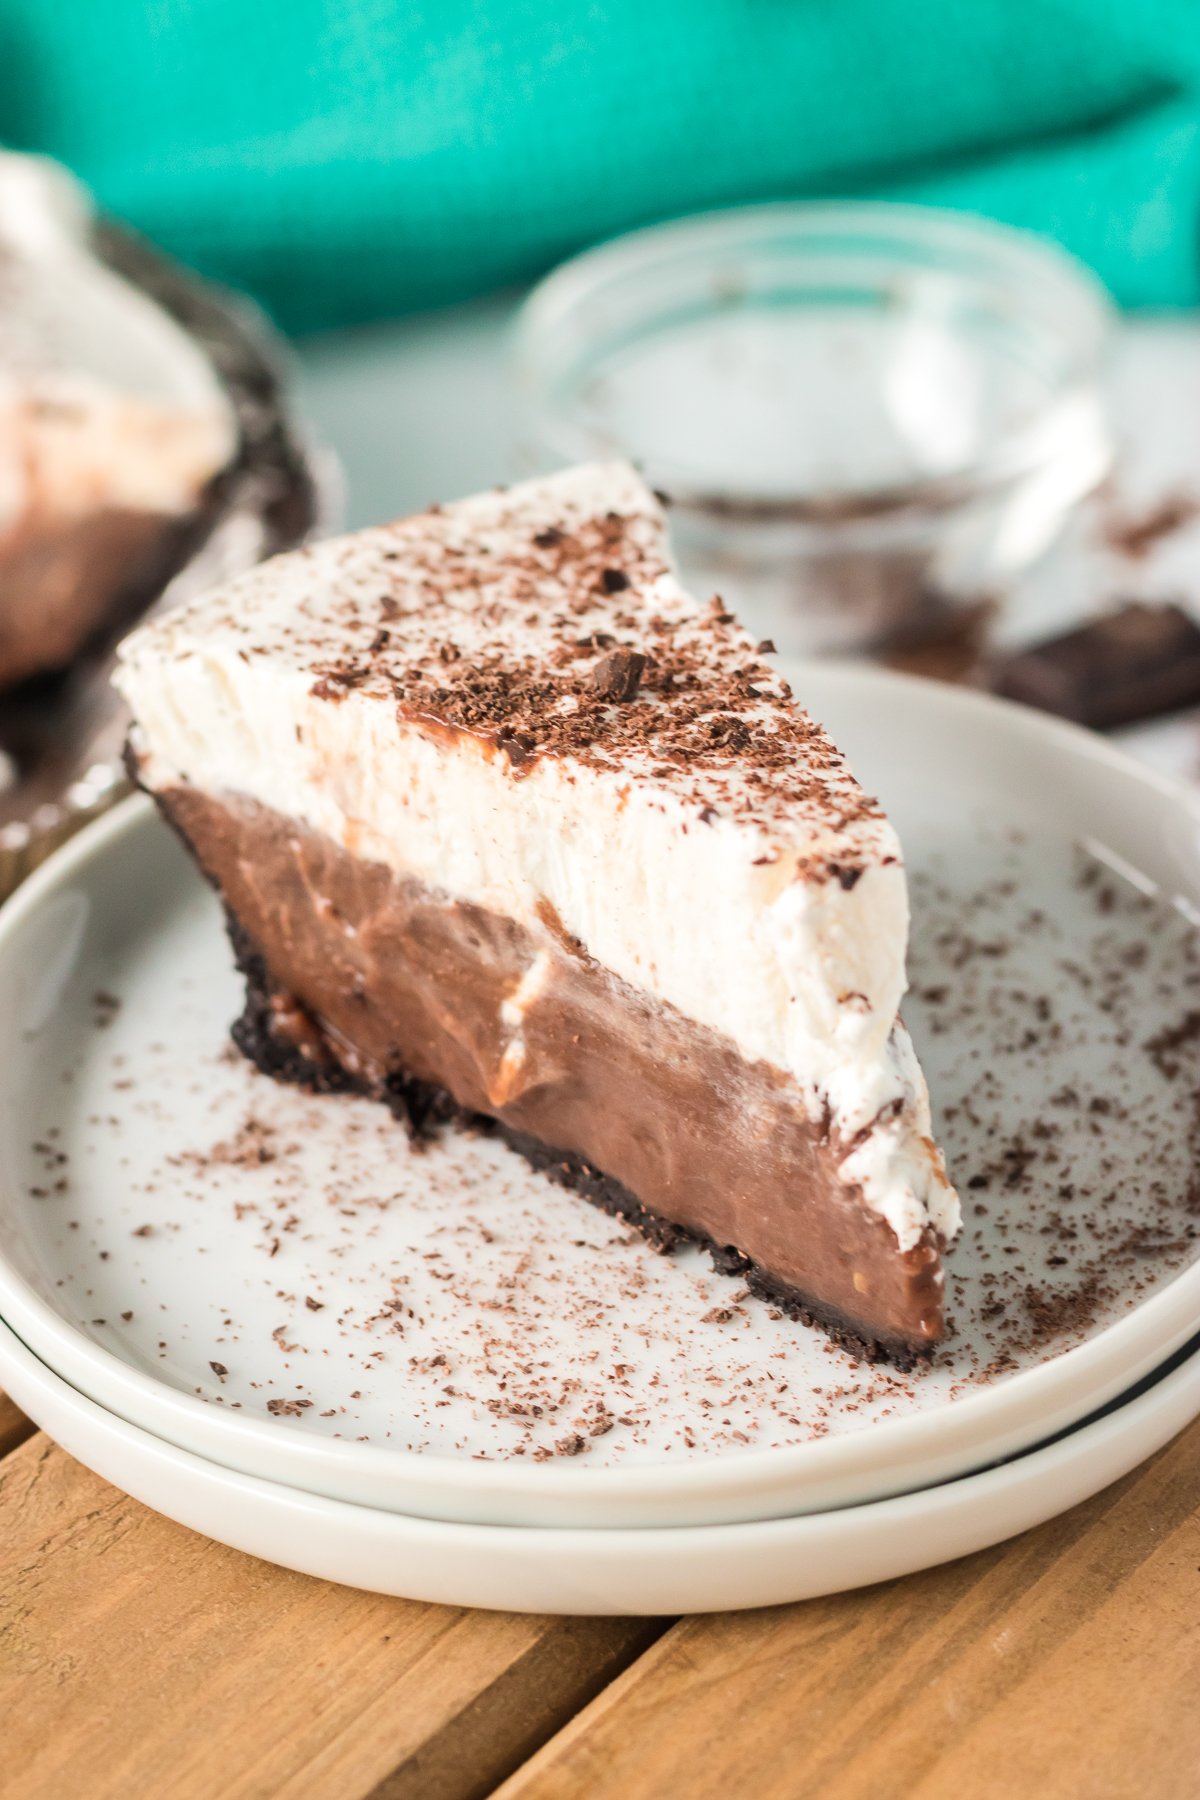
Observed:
{"x":219,"y":1369}
{"x":1131,"y":664}
{"x":765,"y":648}
{"x":546,"y":540}
{"x":614,"y":581}
{"x":618,"y":675}
{"x":846,"y":877}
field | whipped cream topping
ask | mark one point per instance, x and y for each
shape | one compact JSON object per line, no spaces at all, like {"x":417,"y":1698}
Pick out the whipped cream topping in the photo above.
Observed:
{"x":434,"y":695}
{"x":104,"y":399}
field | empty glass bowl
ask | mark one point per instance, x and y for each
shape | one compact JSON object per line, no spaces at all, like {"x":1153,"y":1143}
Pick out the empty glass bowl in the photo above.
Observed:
{"x":868,"y":418}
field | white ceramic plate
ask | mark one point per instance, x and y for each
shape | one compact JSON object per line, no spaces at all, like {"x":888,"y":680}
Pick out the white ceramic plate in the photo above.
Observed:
{"x":282,"y":1285}
{"x":712,"y":1568}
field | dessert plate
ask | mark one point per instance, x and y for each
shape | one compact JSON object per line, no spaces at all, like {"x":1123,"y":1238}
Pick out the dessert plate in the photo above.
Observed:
{"x":285,"y":1286}
{"x":713,"y":1568}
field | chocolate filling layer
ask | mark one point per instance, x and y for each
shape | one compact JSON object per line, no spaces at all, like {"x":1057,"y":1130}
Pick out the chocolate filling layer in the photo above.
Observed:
{"x":62,"y":582}
{"x":360,"y":978}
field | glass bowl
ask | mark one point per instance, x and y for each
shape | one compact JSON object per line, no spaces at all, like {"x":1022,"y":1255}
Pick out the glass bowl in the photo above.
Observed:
{"x":868,"y":418}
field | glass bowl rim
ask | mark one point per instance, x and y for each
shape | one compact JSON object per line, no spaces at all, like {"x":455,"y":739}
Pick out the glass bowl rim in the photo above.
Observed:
{"x":1085,"y":322}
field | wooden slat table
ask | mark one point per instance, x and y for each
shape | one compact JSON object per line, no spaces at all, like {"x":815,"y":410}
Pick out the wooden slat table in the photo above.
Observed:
{"x":139,"y":1659}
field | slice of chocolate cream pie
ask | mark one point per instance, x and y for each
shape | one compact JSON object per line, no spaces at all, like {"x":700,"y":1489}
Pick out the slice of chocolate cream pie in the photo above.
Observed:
{"x":507,"y":824}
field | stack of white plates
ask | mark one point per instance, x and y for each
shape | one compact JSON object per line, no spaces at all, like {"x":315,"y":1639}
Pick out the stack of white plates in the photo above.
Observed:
{"x":433,"y":1374}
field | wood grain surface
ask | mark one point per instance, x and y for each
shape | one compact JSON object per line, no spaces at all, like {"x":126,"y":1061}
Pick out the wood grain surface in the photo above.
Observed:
{"x":1065,"y":1664}
{"x":14,"y":1426}
{"x":138,"y":1658}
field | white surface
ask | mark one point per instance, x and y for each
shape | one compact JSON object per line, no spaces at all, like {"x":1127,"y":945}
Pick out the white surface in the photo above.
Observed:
{"x":665,"y":1572}
{"x":417,"y":410}
{"x":792,"y":966}
{"x":215,"y":1253}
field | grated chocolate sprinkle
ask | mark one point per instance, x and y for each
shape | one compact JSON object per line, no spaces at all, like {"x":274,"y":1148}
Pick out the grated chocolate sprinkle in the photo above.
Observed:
{"x":485,"y":619}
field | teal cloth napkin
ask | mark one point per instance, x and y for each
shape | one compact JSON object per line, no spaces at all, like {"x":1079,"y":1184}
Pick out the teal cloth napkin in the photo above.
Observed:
{"x":344,"y":159}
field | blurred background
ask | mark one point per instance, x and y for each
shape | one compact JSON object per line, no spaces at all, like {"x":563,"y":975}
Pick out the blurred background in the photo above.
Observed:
{"x":350,"y":160}
{"x":917,"y":369}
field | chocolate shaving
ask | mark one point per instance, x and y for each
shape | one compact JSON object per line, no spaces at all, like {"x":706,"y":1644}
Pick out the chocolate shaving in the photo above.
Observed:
{"x":1164,"y":1046}
{"x":1135,"y":537}
{"x":335,"y":684}
{"x":618,"y":675}
{"x":517,"y":746}
{"x":494,"y":620}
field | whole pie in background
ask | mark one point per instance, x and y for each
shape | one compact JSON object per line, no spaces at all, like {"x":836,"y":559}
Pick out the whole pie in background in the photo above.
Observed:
{"x":113,"y":426}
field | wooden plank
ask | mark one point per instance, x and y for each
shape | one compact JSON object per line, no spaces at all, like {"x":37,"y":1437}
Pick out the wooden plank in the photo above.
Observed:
{"x":14,"y":1426}
{"x":1065,"y":1664}
{"x":138,"y":1658}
